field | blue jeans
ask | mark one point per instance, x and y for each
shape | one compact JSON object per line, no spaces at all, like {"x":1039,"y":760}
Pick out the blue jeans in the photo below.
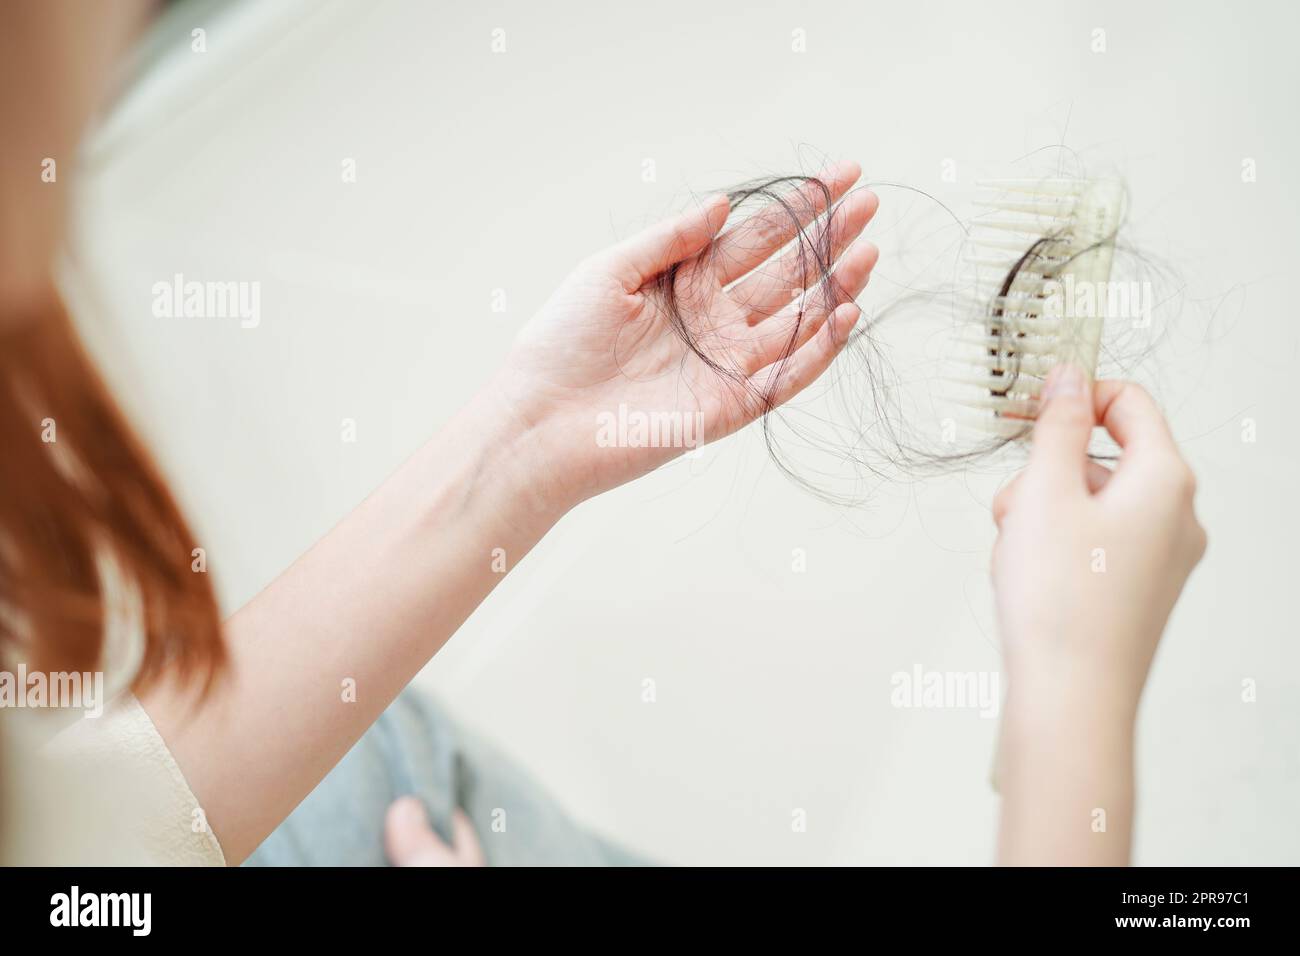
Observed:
{"x":415,"y":749}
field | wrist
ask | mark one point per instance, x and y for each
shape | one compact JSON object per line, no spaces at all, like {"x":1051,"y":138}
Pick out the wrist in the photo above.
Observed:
{"x":1065,"y":774}
{"x":1101,"y":670}
{"x":517,"y":456}
{"x":1052,"y":707}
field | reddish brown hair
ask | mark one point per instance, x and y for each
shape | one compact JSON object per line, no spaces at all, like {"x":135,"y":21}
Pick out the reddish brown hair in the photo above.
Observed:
{"x":77,"y":486}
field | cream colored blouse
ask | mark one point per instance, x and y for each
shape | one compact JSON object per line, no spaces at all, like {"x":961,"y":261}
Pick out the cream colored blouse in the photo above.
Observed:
{"x":102,"y":790}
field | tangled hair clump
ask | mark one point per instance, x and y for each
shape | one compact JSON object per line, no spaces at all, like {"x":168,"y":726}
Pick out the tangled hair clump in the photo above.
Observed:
{"x":882,"y":424}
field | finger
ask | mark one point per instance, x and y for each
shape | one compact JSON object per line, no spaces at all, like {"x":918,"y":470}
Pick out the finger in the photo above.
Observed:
{"x":1059,"y":449}
{"x":758,"y":238}
{"x":768,"y":290}
{"x":465,"y":841}
{"x":409,"y":840}
{"x":1004,"y":502}
{"x":639,"y":258}
{"x":791,"y":329}
{"x":1150,"y":453}
{"x":787,"y":378}
{"x":852,"y":272}
{"x":1132,"y":417}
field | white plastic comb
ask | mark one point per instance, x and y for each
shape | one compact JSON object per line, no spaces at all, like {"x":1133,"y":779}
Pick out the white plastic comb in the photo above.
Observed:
{"x":1061,"y":232}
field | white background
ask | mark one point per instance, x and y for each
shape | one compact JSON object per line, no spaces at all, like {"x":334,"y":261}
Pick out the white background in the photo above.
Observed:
{"x":479,"y":171}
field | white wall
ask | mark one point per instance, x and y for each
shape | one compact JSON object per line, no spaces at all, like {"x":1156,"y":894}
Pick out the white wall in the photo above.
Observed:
{"x":479,"y":171}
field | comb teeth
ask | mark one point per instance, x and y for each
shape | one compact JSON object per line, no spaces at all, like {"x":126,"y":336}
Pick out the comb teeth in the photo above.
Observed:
{"x":998,"y":426}
{"x":1053,"y":208}
{"x":1036,"y":187}
{"x":1037,"y":227}
{"x":1016,"y":246}
{"x":1021,"y":383}
{"x":1022,"y":331}
{"x":1012,"y":345}
{"x":1005,"y":364}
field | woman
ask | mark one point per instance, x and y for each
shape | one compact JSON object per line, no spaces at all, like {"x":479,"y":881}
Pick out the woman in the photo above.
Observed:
{"x":232,"y":725}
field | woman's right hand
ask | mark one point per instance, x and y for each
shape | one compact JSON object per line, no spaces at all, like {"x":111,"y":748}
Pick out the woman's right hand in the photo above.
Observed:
{"x":1087,"y":567}
{"x":1089,"y":561}
{"x":410,"y":840}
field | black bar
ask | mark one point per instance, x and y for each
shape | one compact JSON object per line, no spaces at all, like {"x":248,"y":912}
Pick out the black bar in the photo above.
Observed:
{"x":444,"y":907}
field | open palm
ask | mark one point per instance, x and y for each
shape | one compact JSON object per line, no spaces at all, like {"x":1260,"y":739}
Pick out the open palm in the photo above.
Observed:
{"x":620,"y":389}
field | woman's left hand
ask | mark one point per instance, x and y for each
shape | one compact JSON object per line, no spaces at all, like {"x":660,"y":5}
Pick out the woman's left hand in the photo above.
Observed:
{"x":608,"y":388}
{"x":409,"y":565}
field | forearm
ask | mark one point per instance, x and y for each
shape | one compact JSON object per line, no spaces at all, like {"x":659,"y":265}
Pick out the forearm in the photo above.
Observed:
{"x":1066,"y":775}
{"x":318,"y":655}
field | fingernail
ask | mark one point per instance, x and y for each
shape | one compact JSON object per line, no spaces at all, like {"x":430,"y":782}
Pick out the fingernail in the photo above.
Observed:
{"x":1064,"y":381}
{"x":840,"y":169}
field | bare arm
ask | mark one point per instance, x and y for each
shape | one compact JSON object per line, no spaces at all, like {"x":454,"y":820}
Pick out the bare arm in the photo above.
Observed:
{"x":382,"y":592}
{"x":1088,"y":565}
{"x":364,"y":609}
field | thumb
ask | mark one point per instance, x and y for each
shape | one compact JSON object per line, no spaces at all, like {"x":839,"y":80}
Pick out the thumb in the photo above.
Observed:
{"x":1059,"y":454}
{"x":637,"y":260}
{"x":409,"y":840}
